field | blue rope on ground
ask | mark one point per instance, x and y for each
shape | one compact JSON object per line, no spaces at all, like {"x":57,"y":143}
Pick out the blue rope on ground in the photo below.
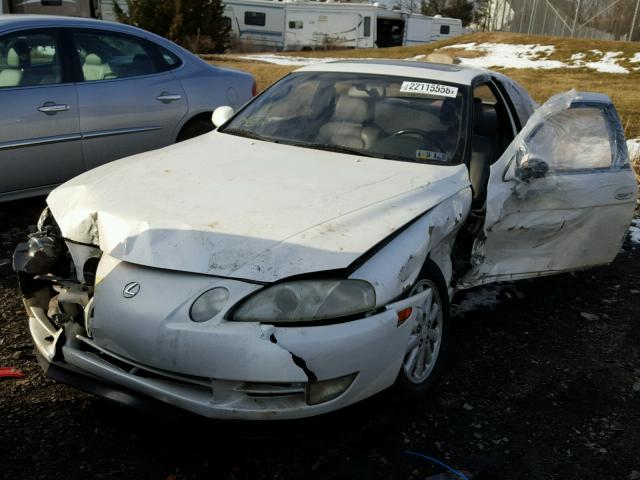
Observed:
{"x":438,"y":462}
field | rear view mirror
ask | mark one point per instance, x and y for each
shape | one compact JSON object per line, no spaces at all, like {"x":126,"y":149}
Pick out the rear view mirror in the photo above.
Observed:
{"x":221,"y":115}
{"x":532,"y":167}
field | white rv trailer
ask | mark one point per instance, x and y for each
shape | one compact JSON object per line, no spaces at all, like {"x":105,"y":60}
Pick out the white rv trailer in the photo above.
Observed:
{"x":74,"y":8}
{"x":423,"y":29}
{"x":274,"y":25}
{"x":108,"y":13}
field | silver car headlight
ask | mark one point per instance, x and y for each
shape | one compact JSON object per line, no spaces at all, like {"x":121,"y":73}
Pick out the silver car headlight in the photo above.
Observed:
{"x":307,"y":301}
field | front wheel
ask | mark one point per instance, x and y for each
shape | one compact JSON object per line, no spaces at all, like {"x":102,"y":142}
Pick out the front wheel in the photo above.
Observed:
{"x":428,"y":343}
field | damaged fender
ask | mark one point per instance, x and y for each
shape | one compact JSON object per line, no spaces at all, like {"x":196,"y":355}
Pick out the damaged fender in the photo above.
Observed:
{"x":432,"y":235}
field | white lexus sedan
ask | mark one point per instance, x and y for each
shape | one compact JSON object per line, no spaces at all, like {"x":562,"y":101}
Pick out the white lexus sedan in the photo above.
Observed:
{"x":302,"y":257}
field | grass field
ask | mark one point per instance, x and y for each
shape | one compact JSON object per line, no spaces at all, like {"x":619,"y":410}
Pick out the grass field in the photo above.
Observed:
{"x":622,"y":88}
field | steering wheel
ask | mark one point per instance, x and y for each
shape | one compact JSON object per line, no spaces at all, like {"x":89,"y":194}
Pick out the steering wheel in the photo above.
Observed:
{"x":428,"y":136}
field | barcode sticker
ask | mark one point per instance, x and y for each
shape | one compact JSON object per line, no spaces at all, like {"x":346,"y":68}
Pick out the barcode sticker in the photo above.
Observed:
{"x":429,"y":89}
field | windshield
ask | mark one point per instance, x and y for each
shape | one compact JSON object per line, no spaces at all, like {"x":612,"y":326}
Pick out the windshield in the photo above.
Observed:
{"x":380,"y":116}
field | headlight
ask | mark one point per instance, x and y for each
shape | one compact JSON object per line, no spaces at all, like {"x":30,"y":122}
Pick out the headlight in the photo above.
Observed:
{"x":209,"y":304}
{"x":308,"y":301}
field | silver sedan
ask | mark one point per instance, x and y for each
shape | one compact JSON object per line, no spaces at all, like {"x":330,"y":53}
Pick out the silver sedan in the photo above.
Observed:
{"x":77,"y":93}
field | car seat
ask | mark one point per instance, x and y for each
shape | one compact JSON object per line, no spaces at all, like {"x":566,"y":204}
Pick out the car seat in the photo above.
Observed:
{"x":18,"y":59}
{"x":94,"y":69}
{"x":347,"y":126}
{"x":481,"y":158}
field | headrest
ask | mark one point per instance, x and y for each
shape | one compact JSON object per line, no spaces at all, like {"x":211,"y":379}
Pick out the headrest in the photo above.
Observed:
{"x":368,"y":93}
{"x":92,"y":59}
{"x":485,"y":118}
{"x":350,"y":109}
{"x":19,"y":55}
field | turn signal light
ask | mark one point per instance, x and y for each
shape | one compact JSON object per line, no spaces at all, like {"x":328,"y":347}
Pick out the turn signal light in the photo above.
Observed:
{"x":403,"y":315}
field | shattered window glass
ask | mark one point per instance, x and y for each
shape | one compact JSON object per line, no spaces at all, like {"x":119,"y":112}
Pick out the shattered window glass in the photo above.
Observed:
{"x":573,"y":139}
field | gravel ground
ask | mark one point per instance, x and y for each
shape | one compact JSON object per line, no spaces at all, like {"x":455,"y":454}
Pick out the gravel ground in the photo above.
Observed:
{"x":544,"y":384}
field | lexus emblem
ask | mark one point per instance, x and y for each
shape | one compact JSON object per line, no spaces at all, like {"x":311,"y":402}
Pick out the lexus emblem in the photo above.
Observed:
{"x":131,"y":289}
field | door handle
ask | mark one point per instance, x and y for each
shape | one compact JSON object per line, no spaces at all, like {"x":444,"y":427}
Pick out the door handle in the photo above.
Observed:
{"x":51,"y":108}
{"x":166,"y":97}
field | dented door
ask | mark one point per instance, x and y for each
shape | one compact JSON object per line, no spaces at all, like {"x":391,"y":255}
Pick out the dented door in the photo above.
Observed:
{"x":560,"y":198}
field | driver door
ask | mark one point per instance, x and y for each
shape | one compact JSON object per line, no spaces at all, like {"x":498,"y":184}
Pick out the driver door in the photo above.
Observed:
{"x":560,"y":198}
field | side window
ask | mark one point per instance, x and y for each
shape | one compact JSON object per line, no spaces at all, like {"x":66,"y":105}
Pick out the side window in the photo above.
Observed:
{"x":28,"y":59}
{"x":106,"y":56}
{"x":367,"y":27}
{"x":445,"y":29}
{"x":491,"y":120}
{"x":520,"y":99}
{"x":575,"y":139}
{"x":170,"y":58}
{"x":257,"y":19}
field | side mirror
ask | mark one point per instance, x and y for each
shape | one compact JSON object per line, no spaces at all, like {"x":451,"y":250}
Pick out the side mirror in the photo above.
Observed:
{"x":532,"y":167}
{"x":221,"y":115}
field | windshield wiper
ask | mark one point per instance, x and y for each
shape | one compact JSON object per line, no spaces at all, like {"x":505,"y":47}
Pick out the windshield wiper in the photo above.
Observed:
{"x":241,"y":132}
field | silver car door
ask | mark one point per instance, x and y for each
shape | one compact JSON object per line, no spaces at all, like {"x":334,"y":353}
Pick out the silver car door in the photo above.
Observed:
{"x":40,"y":143}
{"x":561,"y":197}
{"x":129,"y":103}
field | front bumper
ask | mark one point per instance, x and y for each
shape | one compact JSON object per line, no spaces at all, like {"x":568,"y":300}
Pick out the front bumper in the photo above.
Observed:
{"x":219,"y":369}
{"x":372,"y":347}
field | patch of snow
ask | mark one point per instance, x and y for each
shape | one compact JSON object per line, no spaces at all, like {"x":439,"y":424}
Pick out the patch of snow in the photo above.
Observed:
{"x":285,"y":60}
{"x":634,"y":231}
{"x":633,"y":145}
{"x":463,"y":46}
{"x":508,"y":55}
{"x":501,"y":55}
{"x":607,"y":64}
{"x":505,"y":55}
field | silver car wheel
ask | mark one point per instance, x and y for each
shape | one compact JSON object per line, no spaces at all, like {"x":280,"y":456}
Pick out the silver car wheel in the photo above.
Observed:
{"x":426,"y":336}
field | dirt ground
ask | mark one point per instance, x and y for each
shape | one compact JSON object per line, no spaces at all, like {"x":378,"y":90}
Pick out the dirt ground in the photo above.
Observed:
{"x":544,"y":383}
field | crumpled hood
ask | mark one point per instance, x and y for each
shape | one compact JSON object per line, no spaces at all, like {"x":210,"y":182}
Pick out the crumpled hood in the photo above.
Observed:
{"x":234,"y":207}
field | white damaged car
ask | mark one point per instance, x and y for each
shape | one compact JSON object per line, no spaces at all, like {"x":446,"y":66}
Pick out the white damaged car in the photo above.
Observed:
{"x":302,"y":257}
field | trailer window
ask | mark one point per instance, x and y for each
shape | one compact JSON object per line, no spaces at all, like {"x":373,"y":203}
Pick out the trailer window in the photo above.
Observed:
{"x":444,"y":29}
{"x":257,"y":19}
{"x":367,"y":26}
{"x":295,"y":25}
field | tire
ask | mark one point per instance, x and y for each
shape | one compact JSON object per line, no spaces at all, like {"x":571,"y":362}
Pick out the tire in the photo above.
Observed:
{"x":411,"y":382}
{"x":194,"y":128}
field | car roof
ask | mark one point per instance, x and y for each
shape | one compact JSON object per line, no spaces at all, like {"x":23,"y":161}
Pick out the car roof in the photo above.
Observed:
{"x":402,"y":68}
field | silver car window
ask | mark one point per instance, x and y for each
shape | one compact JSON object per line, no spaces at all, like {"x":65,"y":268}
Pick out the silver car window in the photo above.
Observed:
{"x":28,"y":59}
